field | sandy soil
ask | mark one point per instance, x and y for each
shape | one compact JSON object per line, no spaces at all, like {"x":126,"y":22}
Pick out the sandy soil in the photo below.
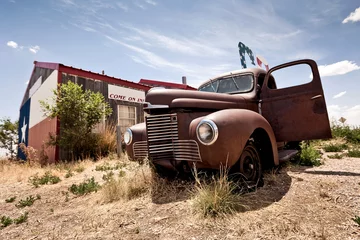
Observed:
{"x":295,"y":203}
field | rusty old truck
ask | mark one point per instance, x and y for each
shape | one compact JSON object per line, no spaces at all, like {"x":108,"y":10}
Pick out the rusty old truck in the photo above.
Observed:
{"x":239,"y":119}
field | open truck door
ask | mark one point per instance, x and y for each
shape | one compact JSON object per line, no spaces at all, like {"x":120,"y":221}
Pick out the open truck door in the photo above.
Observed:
{"x":298,"y":112}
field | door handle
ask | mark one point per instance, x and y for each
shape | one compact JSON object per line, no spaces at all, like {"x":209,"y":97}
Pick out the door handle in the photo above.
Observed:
{"x":315,"y":97}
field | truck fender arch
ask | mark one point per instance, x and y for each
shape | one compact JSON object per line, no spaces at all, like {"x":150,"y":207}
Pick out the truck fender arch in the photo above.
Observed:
{"x":236,"y":127}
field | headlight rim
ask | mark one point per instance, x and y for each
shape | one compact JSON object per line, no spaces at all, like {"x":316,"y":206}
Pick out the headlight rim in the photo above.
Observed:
{"x":214,"y":129}
{"x":128,"y":130}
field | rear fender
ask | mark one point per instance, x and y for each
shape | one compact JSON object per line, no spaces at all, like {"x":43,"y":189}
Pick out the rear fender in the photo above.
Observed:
{"x":235,"y":126}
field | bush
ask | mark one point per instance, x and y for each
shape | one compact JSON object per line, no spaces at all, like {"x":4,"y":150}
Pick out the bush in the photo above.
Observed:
{"x":8,"y":136}
{"x":351,"y":135}
{"x":45,"y":179}
{"x":79,"y":112}
{"x":216,"y":197}
{"x":309,"y":156}
{"x":335,"y":147}
{"x":86,"y":187}
{"x":355,"y":153}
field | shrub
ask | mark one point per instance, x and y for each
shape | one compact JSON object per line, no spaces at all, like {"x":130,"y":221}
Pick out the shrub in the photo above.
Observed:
{"x":8,"y":136}
{"x":216,"y":197}
{"x":79,"y":111}
{"x":108,"y":176}
{"x":107,"y":167}
{"x":85,"y":187}
{"x":355,"y":153}
{"x":26,"y":202}
{"x":5,"y":221}
{"x":335,"y":147}
{"x":10,"y":200}
{"x":351,"y":135}
{"x":309,"y":156}
{"x":79,"y":169}
{"x":45,"y":179}
{"x":336,"y":156}
{"x":69,"y":174}
{"x":107,"y":140}
{"x":23,"y":218}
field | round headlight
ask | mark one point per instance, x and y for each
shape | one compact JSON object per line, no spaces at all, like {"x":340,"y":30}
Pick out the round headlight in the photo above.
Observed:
{"x":207,"y":132}
{"x":128,"y":136}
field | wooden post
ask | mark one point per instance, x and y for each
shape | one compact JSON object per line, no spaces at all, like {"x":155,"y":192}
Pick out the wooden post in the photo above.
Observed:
{"x":118,"y":141}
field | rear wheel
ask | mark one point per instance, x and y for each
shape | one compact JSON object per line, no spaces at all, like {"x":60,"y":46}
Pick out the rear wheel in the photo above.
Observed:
{"x":250,"y":165}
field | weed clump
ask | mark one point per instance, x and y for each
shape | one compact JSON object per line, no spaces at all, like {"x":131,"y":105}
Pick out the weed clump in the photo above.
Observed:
{"x":217,"y":197}
{"x":107,"y":167}
{"x":47,"y":178}
{"x":23,"y":218}
{"x":10,"y":200}
{"x":336,"y":156}
{"x":5,"y":221}
{"x":27,"y":202}
{"x":85,"y":187}
{"x":355,"y":153}
{"x":335,"y":147}
{"x":309,"y":156}
{"x":356,"y":219}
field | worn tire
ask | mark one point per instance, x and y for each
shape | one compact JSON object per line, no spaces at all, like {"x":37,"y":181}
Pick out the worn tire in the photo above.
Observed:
{"x":249,"y":165}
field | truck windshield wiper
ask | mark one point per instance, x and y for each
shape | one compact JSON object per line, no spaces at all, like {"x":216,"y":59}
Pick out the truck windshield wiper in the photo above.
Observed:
{"x":212,"y":85}
{"x":234,"y":81}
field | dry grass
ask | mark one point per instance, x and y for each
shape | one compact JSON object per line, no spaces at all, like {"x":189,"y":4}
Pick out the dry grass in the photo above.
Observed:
{"x":131,"y":186}
{"x":217,"y":197}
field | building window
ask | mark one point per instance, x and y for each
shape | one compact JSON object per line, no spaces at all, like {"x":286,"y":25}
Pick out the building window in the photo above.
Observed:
{"x":126,"y":117}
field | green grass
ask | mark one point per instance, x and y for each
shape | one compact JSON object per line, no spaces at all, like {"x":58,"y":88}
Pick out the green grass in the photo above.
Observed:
{"x":85,"y":187}
{"x":47,"y":178}
{"x":355,"y":153}
{"x":336,"y":156}
{"x":309,"y":156}
{"x":335,"y":147}
{"x":5,"y":221}
{"x":27,"y":202}
{"x":10,"y":200}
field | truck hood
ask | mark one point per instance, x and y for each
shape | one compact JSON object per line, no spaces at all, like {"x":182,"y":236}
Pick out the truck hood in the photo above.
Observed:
{"x":194,"y":99}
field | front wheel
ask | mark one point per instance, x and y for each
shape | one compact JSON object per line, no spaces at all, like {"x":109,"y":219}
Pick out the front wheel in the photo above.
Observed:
{"x":250,"y":165}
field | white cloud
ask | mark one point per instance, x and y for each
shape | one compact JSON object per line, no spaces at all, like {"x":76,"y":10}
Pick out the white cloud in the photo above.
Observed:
{"x":151,"y":2}
{"x":122,"y":6}
{"x":338,"y":68}
{"x":340,"y":94}
{"x":351,"y":114}
{"x":191,"y":47}
{"x":353,"y":17}
{"x":34,"y":49}
{"x":12,"y":44}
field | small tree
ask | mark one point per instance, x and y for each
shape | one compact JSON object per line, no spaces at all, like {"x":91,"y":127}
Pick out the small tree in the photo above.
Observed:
{"x":78,"y":111}
{"x":9,"y":136}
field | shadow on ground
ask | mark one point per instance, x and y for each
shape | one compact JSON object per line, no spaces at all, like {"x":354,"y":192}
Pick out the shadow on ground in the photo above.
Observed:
{"x":276,"y":184}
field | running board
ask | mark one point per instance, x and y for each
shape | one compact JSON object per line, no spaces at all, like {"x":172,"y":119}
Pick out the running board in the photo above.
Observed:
{"x":286,"y":155}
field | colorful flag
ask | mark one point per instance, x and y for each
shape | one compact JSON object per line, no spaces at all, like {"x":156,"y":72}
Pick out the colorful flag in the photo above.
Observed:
{"x":243,"y":49}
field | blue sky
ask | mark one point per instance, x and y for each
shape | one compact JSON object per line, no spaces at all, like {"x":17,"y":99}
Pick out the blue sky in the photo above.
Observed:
{"x":165,"y":40}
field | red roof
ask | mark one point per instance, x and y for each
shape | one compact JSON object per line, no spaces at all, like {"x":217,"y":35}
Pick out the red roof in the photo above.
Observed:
{"x":88,"y":74}
{"x":166,"y":84}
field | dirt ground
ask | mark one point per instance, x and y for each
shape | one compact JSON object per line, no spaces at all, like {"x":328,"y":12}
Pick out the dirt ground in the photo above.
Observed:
{"x":295,"y":203}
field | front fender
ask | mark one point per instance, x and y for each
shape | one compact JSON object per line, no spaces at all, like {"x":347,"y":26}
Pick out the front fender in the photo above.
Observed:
{"x":235,"y":128}
{"x":139,"y":135}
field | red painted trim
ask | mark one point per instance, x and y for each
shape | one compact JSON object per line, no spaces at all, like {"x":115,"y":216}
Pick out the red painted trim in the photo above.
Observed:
{"x":105,"y":78}
{"x":57,"y":149}
{"x":166,"y":84}
{"x":48,"y":65}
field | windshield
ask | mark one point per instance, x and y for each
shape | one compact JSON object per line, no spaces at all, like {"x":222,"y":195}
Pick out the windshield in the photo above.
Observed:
{"x":231,"y":84}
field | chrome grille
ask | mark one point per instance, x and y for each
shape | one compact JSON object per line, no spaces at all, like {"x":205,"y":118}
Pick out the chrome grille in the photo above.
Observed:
{"x":163,"y":140}
{"x":140,"y":150}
